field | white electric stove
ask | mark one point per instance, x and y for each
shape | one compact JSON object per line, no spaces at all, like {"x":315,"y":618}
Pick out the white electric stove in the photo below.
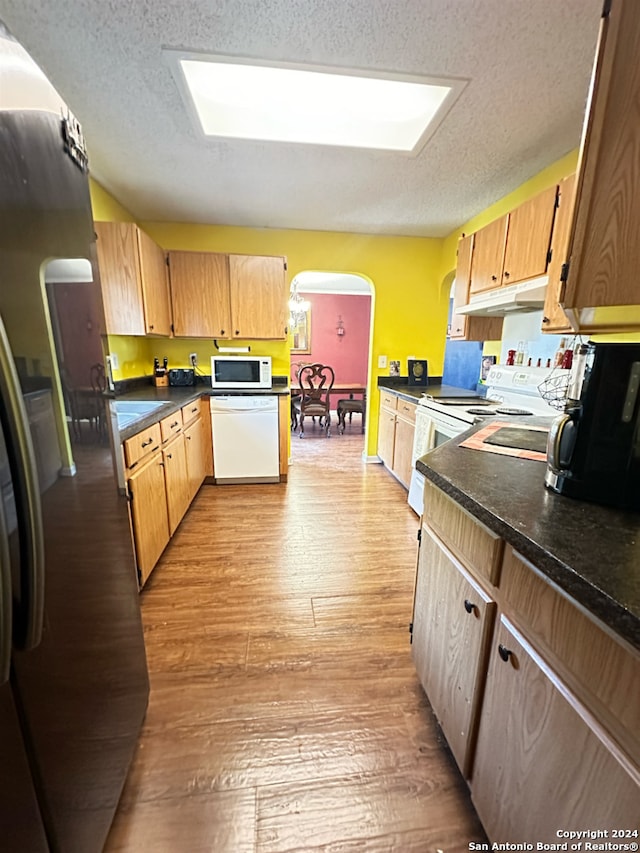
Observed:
{"x":511,"y":391}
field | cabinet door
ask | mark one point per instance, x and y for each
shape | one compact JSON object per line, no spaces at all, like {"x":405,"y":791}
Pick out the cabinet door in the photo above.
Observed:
{"x":207,"y":449}
{"x":149,"y":516}
{"x":529,"y":238}
{"x":155,"y":286}
{"x":258,"y":297}
{"x":488,"y":255}
{"x":176,"y":480}
{"x":120,"y":280}
{"x":605,"y":249}
{"x":554,"y":319}
{"x":542,"y":763}
{"x":464,"y":327}
{"x":452,"y":622}
{"x":403,"y":444}
{"x":200,"y":294}
{"x":386,"y":436}
{"x":194,"y":446}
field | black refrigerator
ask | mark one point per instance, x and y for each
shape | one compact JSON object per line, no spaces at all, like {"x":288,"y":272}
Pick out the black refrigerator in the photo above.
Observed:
{"x":73,"y":676}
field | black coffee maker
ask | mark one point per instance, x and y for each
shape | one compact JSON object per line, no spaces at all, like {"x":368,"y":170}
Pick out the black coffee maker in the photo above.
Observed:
{"x":593,"y":450}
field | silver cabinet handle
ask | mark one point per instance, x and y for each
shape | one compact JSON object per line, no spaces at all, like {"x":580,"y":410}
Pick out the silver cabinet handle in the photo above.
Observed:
{"x":28,"y":633}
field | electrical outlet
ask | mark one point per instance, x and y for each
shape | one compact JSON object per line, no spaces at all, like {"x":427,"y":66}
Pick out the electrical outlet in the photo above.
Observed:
{"x":382,"y":361}
{"x":193,"y":358}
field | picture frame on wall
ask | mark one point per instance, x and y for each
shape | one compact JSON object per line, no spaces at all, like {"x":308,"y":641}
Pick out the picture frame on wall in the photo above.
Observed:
{"x":301,"y":333}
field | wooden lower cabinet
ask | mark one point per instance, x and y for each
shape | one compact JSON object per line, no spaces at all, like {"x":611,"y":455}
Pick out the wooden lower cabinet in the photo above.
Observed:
{"x":452,"y":622}
{"x":386,"y":435}
{"x":163,"y":478}
{"x":196,"y":461}
{"x":149,"y":514}
{"x":540,"y":705}
{"x":176,"y":480}
{"x":396,"y":429}
{"x":543,"y":763}
{"x":403,"y":443}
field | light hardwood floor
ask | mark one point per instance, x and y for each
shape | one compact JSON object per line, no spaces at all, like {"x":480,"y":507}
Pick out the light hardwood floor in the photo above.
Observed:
{"x":285,"y":712}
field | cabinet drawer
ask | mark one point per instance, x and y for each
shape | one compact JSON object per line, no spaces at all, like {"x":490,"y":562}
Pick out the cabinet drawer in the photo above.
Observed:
{"x":191,"y":411}
{"x":478,"y":547}
{"x":407,"y":410}
{"x":603,"y":672}
{"x":141,"y":444}
{"x":389,"y":401}
{"x":171,"y":425}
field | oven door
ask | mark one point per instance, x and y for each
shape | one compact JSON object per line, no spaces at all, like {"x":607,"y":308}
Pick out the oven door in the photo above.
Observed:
{"x":444,"y":428}
{"x":432,"y":430}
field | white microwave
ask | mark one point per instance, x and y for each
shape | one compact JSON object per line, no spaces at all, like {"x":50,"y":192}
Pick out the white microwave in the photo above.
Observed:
{"x":241,"y":371}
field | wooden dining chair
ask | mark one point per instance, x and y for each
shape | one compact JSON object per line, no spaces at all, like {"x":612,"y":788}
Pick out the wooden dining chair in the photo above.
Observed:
{"x":98,"y":381}
{"x":315,"y":381}
{"x":349,"y":407}
{"x":295,"y":394}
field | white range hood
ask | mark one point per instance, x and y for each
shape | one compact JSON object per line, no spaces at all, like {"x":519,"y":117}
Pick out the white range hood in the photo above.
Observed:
{"x":525,"y":296}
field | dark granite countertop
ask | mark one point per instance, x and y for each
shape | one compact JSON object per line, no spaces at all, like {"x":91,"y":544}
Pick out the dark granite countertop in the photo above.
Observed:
{"x":413,"y":393}
{"x":590,"y":551}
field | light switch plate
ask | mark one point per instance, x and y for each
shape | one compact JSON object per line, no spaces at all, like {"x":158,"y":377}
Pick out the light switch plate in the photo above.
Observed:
{"x":114,"y":361}
{"x":382,"y":361}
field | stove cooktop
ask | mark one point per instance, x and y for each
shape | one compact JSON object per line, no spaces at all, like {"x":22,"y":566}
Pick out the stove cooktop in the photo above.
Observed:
{"x":472,"y":400}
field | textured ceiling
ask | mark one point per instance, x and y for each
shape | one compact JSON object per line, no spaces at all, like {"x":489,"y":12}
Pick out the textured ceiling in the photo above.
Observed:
{"x":528,"y":64}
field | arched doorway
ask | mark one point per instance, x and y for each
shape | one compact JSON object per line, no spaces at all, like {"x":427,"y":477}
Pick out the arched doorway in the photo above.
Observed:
{"x":335,"y":329}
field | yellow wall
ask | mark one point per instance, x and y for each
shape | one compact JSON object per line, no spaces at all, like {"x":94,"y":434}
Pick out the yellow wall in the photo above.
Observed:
{"x":409,"y":315}
{"x":105,"y":207}
{"x":409,"y":308}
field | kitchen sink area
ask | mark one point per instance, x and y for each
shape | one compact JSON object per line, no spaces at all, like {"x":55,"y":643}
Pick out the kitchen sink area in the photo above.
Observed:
{"x":130,"y":411}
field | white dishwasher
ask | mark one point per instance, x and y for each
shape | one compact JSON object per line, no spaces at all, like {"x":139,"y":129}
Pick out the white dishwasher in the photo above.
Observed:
{"x":245,"y":438}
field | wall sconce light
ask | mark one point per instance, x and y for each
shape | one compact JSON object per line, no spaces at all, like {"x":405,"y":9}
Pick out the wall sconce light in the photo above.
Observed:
{"x":340,"y":330}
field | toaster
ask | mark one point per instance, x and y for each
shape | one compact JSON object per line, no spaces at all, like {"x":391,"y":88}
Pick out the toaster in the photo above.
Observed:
{"x":182,"y":376}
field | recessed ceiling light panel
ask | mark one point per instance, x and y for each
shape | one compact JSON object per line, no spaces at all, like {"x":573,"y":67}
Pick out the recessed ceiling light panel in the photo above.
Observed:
{"x":319,"y":106}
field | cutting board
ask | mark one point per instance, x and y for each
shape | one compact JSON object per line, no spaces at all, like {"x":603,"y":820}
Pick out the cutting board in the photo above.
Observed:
{"x":510,"y":439}
{"x":519,"y":437}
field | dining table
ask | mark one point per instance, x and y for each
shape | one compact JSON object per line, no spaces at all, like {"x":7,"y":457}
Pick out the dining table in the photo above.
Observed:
{"x":339,"y":388}
{"x":348,"y":390}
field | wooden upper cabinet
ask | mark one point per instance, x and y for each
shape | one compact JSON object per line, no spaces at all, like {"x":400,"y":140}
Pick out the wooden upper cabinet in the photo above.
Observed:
{"x":554,"y":319}
{"x":529,"y":238}
{"x":604,"y":246}
{"x":461,"y":286}
{"x":462,"y":326}
{"x":120,"y":277}
{"x":133,"y":277}
{"x":488,"y":256}
{"x":155,"y":286}
{"x":258,"y":297}
{"x":200,"y":294}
